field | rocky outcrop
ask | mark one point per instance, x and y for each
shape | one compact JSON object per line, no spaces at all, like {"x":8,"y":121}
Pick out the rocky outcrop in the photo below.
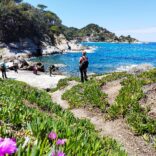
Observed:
{"x":127,"y":39}
{"x":27,"y":48}
{"x":64,"y":45}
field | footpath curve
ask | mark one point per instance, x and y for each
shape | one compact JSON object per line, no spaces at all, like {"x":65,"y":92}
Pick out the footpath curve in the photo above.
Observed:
{"x":117,"y":129}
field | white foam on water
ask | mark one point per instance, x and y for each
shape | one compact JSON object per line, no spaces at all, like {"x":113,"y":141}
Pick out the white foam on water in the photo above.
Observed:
{"x":134,"y":68}
{"x":88,"y":50}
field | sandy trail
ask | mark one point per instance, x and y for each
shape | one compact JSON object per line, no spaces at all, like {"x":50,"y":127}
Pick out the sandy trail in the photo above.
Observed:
{"x":112,"y":90}
{"x":42,"y":81}
{"x":117,"y":129}
{"x":57,"y":96}
{"x":150,"y":99}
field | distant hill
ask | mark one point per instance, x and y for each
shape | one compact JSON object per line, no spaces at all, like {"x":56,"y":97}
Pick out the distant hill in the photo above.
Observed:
{"x":95,"y":33}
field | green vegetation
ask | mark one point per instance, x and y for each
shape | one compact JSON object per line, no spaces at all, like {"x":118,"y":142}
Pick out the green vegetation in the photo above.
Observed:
{"x":127,"y":102}
{"x":64,"y":82}
{"x":148,"y":77}
{"x":112,"y":77}
{"x":19,"y":21}
{"x":90,"y":92}
{"x":85,"y":94}
{"x":28,"y":112}
{"x":95,"y":33}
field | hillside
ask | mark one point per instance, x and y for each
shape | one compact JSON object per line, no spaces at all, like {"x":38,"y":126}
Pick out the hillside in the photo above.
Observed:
{"x":34,"y":122}
{"x":95,"y":33}
{"x":22,"y":20}
{"x":28,"y":30}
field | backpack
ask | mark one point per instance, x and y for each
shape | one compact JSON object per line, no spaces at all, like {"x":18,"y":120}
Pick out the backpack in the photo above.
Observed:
{"x":3,"y":67}
{"x":84,"y":64}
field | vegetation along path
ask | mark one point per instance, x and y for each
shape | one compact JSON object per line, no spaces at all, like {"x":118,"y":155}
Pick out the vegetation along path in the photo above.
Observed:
{"x":117,"y":129}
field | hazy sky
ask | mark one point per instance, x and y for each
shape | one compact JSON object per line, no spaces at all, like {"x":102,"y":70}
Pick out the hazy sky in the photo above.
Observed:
{"x":134,"y":17}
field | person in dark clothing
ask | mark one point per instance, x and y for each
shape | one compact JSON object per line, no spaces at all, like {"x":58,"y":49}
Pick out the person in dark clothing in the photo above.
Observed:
{"x":83,"y":66}
{"x":35,"y":69}
{"x":3,"y":69}
{"x":51,"y":69}
{"x":15,"y":66}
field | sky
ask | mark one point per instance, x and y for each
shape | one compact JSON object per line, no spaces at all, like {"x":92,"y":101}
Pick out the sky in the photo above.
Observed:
{"x":123,"y":17}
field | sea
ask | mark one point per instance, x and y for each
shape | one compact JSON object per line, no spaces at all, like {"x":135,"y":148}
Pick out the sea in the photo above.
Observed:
{"x":105,"y":58}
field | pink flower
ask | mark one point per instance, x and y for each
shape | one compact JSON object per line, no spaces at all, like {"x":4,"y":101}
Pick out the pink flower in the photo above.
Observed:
{"x":61,"y":141}
{"x":7,"y":146}
{"x":59,"y":153}
{"x":53,"y":154}
{"x":52,"y":135}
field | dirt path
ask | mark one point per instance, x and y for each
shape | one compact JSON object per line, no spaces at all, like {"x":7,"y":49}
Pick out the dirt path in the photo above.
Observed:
{"x":56,"y":96}
{"x":112,"y":90}
{"x":150,"y":99}
{"x":135,"y":146}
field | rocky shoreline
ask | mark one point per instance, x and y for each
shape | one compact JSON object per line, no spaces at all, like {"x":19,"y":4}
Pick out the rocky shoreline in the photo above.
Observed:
{"x":27,"y":48}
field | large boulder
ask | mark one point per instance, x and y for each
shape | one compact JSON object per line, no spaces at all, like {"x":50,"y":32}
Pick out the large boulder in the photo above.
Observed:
{"x":30,"y":66}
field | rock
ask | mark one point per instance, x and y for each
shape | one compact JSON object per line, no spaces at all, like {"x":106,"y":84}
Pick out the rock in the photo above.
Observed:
{"x":152,"y":113}
{"x":26,"y":48}
{"x":30,"y":65}
{"x":48,"y":49}
{"x":23,"y":63}
{"x":59,"y":65}
{"x":2,"y":45}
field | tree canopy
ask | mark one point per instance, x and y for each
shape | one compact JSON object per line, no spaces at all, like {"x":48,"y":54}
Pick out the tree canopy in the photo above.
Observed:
{"x":22,"y":20}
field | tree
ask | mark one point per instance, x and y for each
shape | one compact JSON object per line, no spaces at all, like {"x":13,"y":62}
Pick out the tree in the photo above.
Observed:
{"x":41,"y":7}
{"x":18,"y":1}
{"x":7,"y":1}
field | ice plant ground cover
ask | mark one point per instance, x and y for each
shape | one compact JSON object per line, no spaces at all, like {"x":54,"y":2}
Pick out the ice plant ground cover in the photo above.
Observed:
{"x":126,"y":104}
{"x":90,"y":92}
{"x":7,"y":146}
{"x":29,"y":115}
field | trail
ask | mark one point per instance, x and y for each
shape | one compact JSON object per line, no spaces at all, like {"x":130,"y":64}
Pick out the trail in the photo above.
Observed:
{"x":112,"y":90}
{"x":117,"y":129}
{"x":150,"y":99}
{"x":57,"y":96}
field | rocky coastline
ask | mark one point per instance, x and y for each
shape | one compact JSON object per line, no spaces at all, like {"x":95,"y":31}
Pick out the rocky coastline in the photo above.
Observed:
{"x":27,"y":48}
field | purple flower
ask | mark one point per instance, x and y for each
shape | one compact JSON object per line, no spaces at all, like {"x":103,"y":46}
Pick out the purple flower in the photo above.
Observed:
{"x":52,"y":135}
{"x":7,"y":146}
{"x":53,"y":154}
{"x":61,"y":141}
{"x":59,"y":153}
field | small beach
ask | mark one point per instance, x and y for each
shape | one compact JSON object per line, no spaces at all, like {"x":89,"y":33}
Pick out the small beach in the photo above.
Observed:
{"x":42,"y":80}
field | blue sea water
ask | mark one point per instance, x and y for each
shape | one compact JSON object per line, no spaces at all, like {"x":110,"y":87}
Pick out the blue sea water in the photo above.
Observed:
{"x":106,"y":58}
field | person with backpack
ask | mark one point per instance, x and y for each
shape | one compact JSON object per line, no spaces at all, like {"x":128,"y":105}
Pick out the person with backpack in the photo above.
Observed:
{"x":3,"y":69}
{"x":83,"y":66}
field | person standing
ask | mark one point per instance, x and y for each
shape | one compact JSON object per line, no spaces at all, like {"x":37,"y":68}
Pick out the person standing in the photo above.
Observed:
{"x":35,"y":69}
{"x":51,"y":69}
{"x":15,"y":66}
{"x":3,"y":69}
{"x":83,"y":66}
